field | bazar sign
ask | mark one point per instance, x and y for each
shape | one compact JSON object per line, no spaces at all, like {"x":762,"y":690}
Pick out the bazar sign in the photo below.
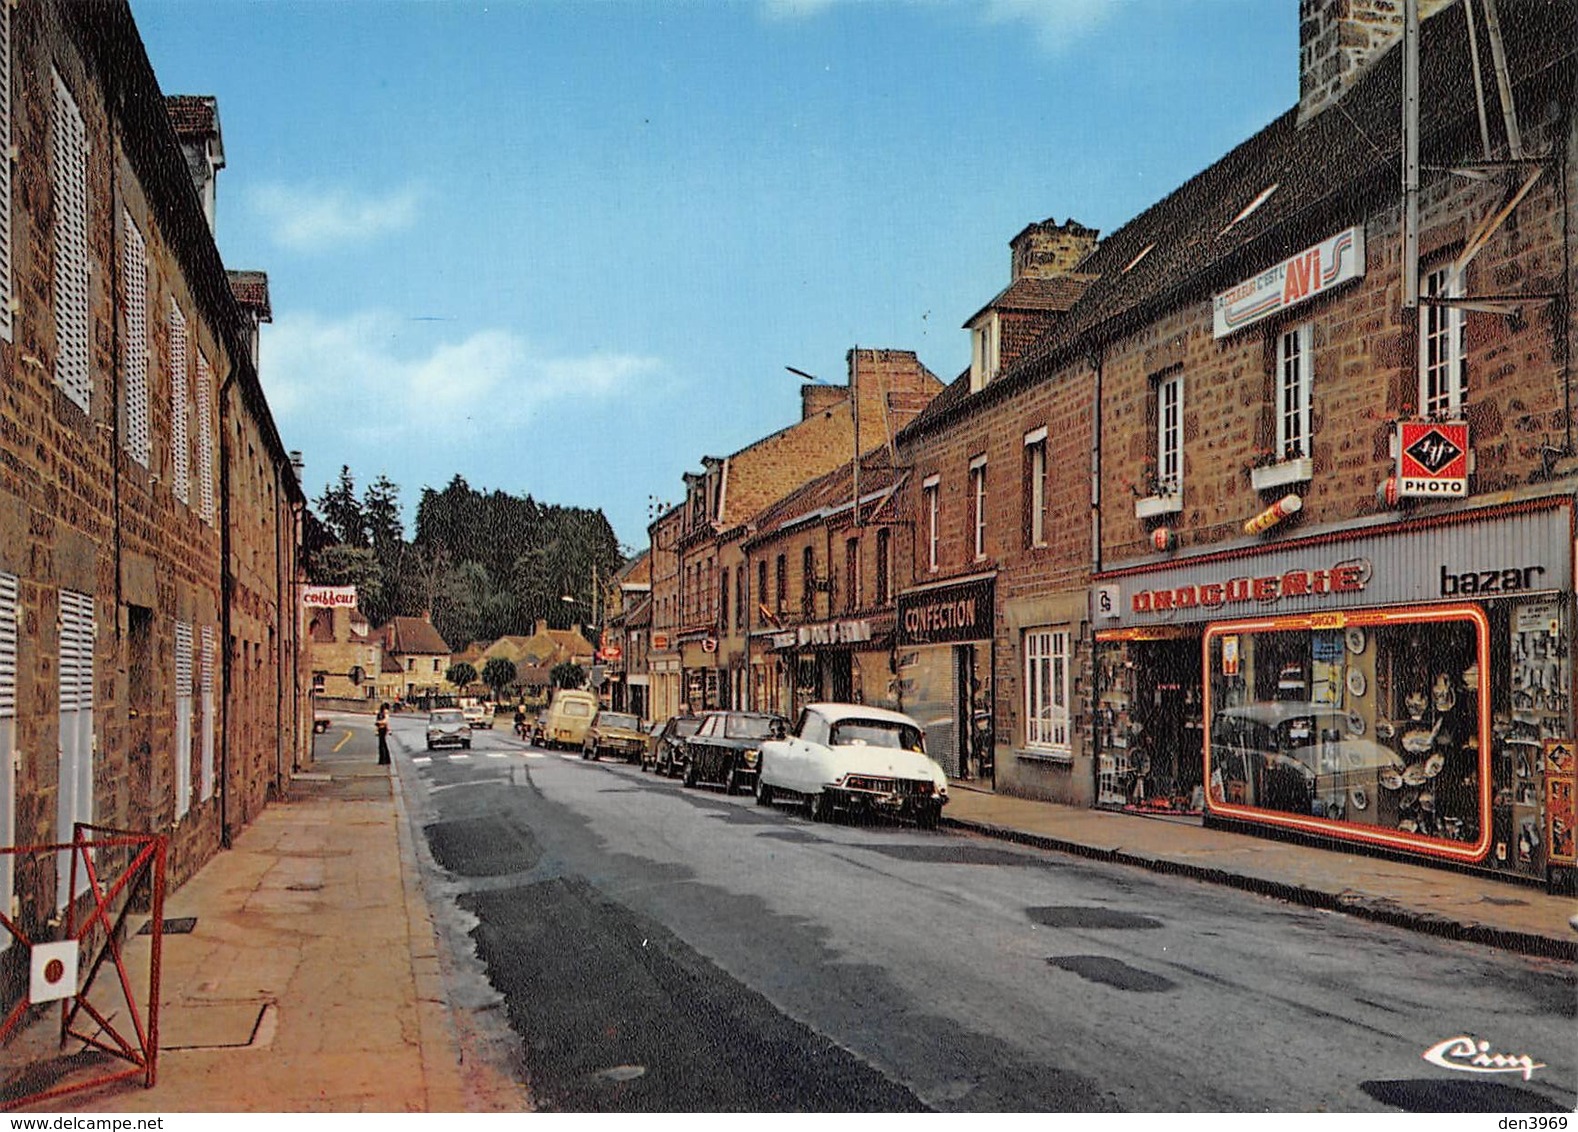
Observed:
{"x":1432,"y":458}
{"x":1346,"y":578}
{"x":329,"y":597}
{"x":1295,"y":280}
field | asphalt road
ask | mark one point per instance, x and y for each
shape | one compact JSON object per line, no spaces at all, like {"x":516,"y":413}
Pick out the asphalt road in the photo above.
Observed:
{"x":637,"y":946}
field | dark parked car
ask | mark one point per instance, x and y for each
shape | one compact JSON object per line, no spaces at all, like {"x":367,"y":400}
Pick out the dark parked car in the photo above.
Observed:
{"x":727,"y":747}
{"x":615,"y":733}
{"x":666,"y":750}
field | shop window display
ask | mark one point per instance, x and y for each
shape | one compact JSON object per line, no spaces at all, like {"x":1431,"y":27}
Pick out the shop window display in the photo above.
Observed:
{"x":1371,"y":726}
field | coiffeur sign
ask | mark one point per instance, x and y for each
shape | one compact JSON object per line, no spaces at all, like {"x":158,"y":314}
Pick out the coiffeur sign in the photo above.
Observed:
{"x":329,"y":597}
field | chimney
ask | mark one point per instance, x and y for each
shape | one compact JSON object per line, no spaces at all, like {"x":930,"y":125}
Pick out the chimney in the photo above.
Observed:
{"x":250,"y":289}
{"x":1048,"y":249}
{"x":1340,"y":39}
{"x":195,"y":118}
{"x":298,"y":464}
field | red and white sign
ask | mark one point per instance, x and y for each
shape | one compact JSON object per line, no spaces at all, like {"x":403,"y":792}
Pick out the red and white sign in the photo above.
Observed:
{"x":1432,"y":459}
{"x":1297,"y":279}
{"x":329,"y":597}
{"x":660,"y":640}
{"x":610,"y":652}
{"x":709,"y":644}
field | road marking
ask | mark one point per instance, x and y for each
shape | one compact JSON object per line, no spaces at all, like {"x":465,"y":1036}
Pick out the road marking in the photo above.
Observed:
{"x":343,"y":741}
{"x":571,"y":758}
{"x":458,"y":755}
{"x":421,"y":758}
{"x":497,"y":755}
{"x":535,"y":755}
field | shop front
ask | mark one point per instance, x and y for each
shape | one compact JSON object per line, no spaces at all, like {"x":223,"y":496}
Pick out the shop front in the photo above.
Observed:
{"x":942,"y":668}
{"x":846,"y":661}
{"x":1405,"y":687}
{"x":701,"y":684}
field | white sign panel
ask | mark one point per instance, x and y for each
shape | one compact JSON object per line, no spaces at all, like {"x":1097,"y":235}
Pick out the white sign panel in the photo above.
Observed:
{"x":1295,"y":280}
{"x":329,"y":597}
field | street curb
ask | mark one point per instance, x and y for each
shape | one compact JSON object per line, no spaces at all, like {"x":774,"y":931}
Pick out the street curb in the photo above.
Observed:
{"x":1378,"y":909}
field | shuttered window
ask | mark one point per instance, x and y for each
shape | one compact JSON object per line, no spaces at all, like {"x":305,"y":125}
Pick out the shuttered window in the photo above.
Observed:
{"x":7,"y":288}
{"x":205,"y":440}
{"x":75,"y":798}
{"x":206,"y":688}
{"x":180,"y":453}
{"x":8,"y":642}
{"x":134,"y":274}
{"x":69,"y":178}
{"x":183,"y":718}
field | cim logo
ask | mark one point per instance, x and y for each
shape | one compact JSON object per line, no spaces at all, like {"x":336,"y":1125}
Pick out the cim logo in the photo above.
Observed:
{"x":1467,"y":1055}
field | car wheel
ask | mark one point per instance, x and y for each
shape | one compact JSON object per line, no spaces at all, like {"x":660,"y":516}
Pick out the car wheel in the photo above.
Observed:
{"x":643,"y":766}
{"x":430,"y":744}
{"x":764,"y":792}
{"x":822,"y":806}
{"x":928,"y":816}
{"x":467,"y":744}
{"x":731,"y":784}
{"x":690,"y":773}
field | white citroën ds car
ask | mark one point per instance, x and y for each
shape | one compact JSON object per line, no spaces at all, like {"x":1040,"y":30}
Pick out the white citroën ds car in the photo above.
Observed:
{"x":853,"y":757}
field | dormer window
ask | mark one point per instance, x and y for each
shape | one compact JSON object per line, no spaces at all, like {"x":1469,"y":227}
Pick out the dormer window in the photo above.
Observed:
{"x":1262,"y":198}
{"x":985,"y":351}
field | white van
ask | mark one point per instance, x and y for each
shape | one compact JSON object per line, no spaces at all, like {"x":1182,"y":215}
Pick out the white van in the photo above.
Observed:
{"x":569,"y":717}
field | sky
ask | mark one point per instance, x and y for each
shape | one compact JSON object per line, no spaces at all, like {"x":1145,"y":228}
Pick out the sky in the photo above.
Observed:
{"x":567,"y":249}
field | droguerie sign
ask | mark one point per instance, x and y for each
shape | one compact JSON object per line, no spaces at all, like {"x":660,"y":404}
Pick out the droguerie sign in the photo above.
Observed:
{"x":1297,"y":279}
{"x":1346,"y":578}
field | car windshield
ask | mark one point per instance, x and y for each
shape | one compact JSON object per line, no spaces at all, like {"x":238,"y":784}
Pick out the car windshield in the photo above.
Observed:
{"x":686,"y":724}
{"x":876,"y":733}
{"x":611,"y":719}
{"x":446,"y":717}
{"x":747,"y":726}
{"x":576,"y":707}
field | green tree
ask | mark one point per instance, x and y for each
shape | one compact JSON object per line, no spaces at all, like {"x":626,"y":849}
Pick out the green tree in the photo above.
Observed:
{"x":461,"y":674}
{"x":498,"y":673}
{"x":568,"y":675}
{"x":342,"y":512}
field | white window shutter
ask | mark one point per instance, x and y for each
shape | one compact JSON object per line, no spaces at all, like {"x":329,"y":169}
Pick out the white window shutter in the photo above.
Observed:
{"x":180,"y":451}
{"x":183,"y":718}
{"x":205,"y":439}
{"x":7,"y":287}
{"x":75,"y":670}
{"x":69,"y":170}
{"x":134,"y":272}
{"x":8,"y":644}
{"x":206,"y":686}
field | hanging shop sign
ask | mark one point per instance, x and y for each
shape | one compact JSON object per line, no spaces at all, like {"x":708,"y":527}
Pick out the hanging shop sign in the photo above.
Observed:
{"x":329,"y":597}
{"x":942,"y":614}
{"x":1297,"y":279}
{"x":1432,"y":459}
{"x":660,"y":640}
{"x":834,"y":633}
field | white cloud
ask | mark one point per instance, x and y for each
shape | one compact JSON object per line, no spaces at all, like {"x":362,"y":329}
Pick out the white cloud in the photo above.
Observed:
{"x":383,"y":380}
{"x":1056,"y":24}
{"x":316,"y":219}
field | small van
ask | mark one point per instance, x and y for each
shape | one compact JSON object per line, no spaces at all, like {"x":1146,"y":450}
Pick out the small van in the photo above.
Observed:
{"x":569,"y":718}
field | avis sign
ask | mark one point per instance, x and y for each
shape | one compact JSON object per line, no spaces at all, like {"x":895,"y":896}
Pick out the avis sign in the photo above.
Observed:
{"x":1432,"y":459}
{"x":1297,"y":279}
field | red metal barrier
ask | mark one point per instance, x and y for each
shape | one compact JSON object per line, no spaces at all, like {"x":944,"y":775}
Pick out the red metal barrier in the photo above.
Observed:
{"x":95,"y":924}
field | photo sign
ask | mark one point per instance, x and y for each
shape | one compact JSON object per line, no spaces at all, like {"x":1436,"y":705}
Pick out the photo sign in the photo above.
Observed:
{"x":1297,"y":279}
{"x":1432,"y":459}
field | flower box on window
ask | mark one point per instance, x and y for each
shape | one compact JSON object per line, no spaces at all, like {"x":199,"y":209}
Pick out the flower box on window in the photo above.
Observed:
{"x":1300,"y":469}
{"x":1150,"y":506}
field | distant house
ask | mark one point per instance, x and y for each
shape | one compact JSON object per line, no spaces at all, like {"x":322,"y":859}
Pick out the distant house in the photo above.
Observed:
{"x":344,"y":655}
{"x":421,"y":653}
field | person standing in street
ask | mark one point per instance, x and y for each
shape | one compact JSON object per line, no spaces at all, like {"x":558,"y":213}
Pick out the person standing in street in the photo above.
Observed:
{"x":382,"y":726}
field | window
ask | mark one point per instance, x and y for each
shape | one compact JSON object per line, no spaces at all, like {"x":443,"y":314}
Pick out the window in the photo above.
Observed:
{"x":180,"y":451}
{"x":984,"y":351}
{"x":781,"y":597}
{"x":851,"y":575}
{"x":739,"y":599}
{"x":183,"y":718}
{"x":1295,"y":377}
{"x":931,"y":489}
{"x":723,"y":600}
{"x":808,"y":581}
{"x":1443,"y":381}
{"x":884,"y":567}
{"x":1169,"y":434}
{"x":1036,"y":487}
{"x":75,"y":800}
{"x":410,"y":664}
{"x":6,"y":274}
{"x":978,"y":507}
{"x":8,"y":643}
{"x":134,"y":270}
{"x":205,"y":440}
{"x":761,"y":592}
{"x":435,"y":664}
{"x":69,"y":180}
{"x":1046,"y":690}
{"x":206,"y":691}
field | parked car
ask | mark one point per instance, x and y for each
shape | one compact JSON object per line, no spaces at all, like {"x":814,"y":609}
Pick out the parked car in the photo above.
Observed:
{"x":666,"y":749}
{"x":854,"y":758}
{"x":477,"y":713}
{"x":447,"y":727}
{"x":569,"y":717}
{"x":615,"y":733}
{"x":727,"y":747}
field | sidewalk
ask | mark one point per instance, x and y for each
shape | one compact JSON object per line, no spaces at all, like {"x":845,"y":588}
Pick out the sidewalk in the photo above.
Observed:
{"x":311,"y":980}
{"x":1440,"y":901}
